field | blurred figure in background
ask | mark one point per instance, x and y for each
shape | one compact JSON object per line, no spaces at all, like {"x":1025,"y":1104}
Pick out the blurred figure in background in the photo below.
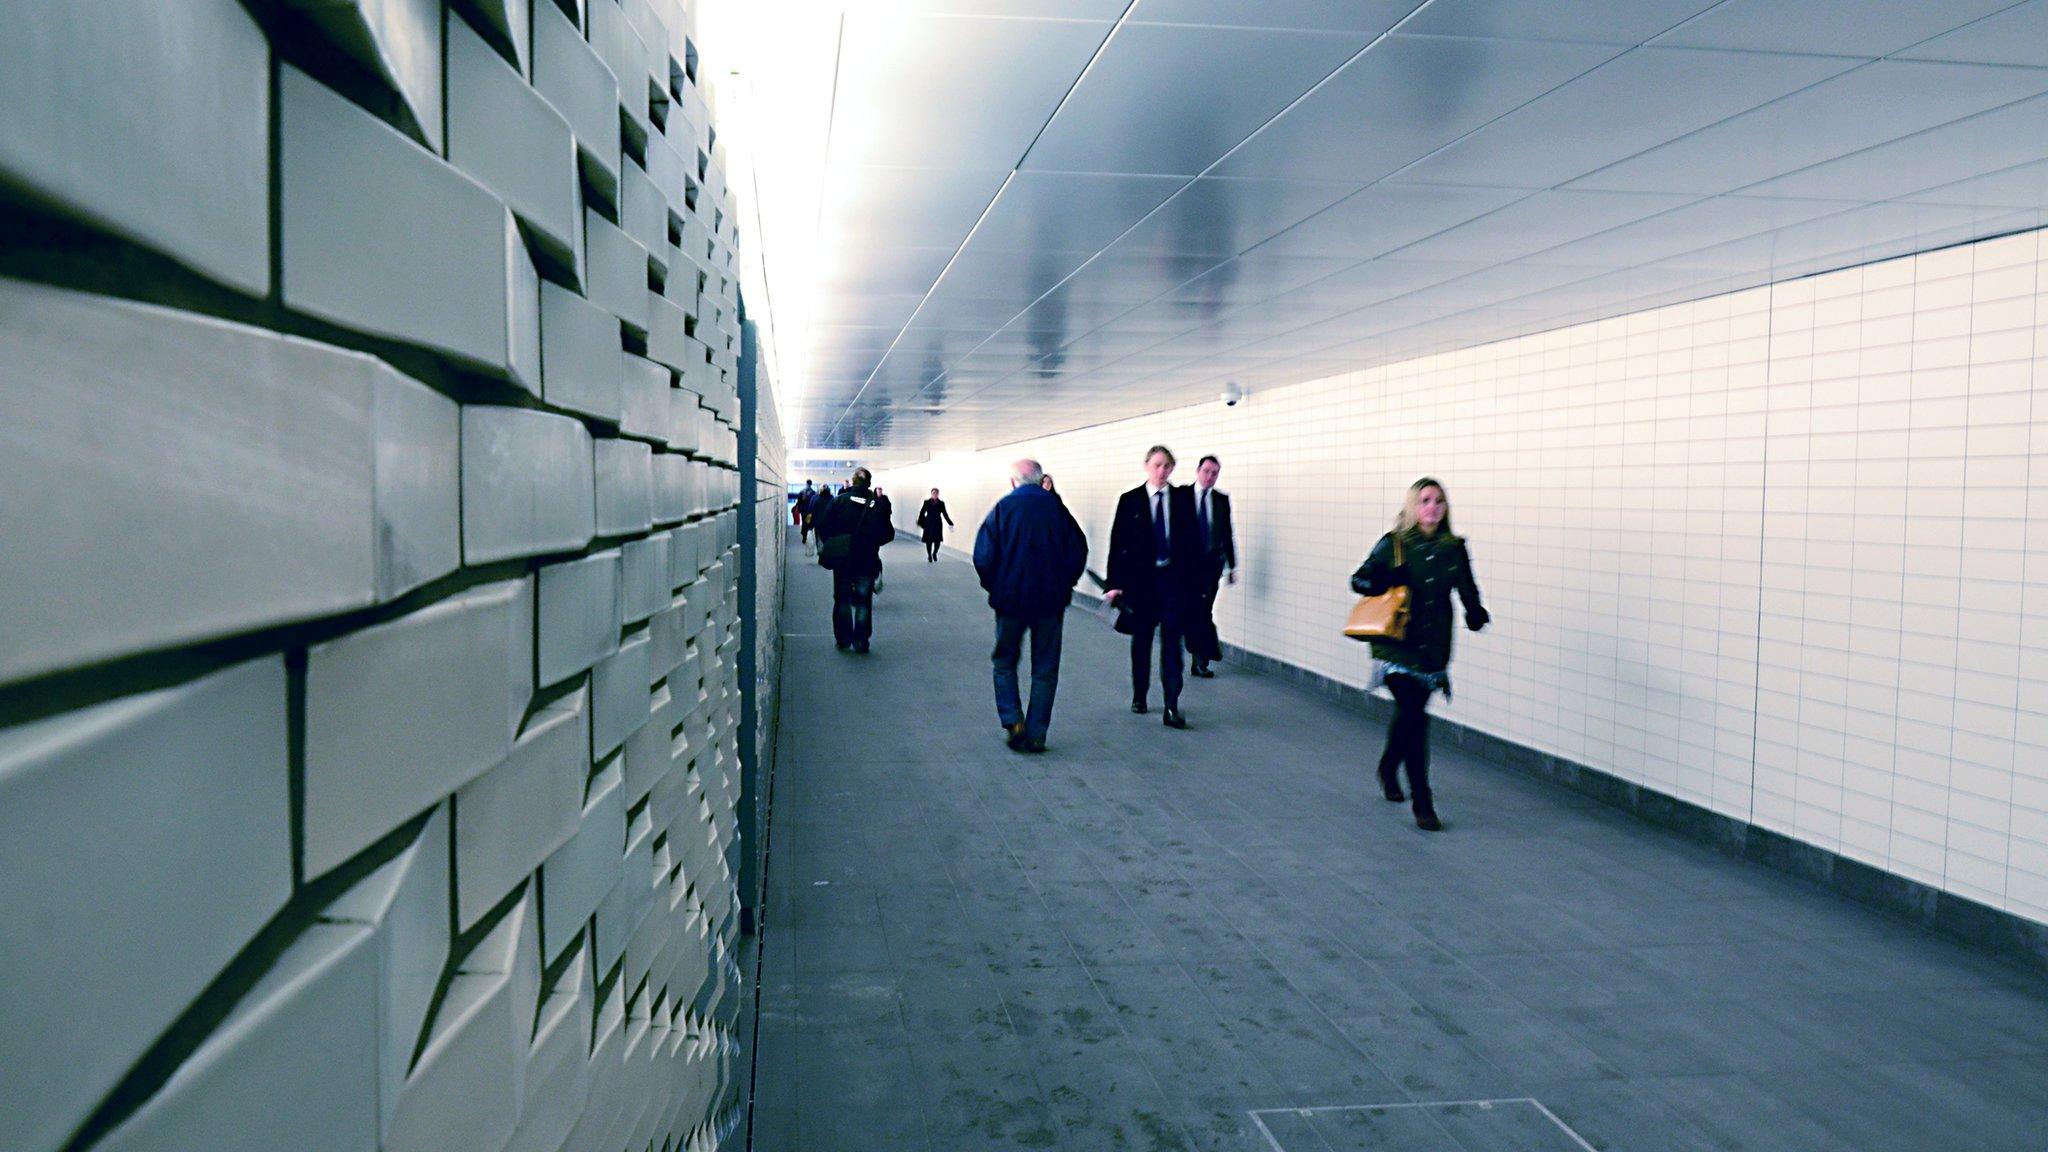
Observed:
{"x":933,"y":519}
{"x":1219,"y":559}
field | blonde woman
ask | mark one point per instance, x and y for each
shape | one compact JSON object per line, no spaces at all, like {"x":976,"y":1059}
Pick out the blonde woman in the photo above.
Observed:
{"x":1423,"y":554}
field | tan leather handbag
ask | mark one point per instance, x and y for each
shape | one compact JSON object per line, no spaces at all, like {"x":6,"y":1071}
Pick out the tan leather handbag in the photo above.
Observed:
{"x":1381,"y":617}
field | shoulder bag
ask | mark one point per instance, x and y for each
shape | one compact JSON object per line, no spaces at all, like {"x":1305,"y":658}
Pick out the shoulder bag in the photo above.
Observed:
{"x":833,"y":549}
{"x":1381,"y":617}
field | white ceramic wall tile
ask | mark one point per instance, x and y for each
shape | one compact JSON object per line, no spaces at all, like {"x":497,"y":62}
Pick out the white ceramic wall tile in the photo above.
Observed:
{"x":1777,"y":553}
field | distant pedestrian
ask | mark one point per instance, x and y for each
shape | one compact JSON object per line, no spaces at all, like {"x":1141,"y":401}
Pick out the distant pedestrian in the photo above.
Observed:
{"x":933,"y":519}
{"x":1029,"y":554}
{"x":1218,"y":562}
{"x":887,"y":512}
{"x":804,"y":502}
{"x":1423,"y":555}
{"x":820,"y":501}
{"x":1046,"y":483}
{"x":851,"y":533}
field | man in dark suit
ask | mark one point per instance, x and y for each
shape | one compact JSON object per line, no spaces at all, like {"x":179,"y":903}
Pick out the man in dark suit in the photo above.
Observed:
{"x":1154,"y":556}
{"x":1219,"y":557}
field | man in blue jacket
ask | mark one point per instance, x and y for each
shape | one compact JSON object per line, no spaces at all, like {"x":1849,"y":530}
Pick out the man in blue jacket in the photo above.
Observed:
{"x":1030,"y":553}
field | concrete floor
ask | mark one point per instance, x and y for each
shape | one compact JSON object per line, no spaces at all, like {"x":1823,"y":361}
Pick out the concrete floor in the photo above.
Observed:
{"x":1223,"y":939}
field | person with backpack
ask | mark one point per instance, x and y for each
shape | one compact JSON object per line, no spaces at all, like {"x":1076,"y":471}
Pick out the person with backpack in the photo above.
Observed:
{"x":851,"y":532}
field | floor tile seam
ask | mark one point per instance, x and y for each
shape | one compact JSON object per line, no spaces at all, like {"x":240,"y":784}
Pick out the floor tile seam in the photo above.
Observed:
{"x":924,"y":1121}
{"x":1442,"y":1130}
{"x":1216,"y":1010}
{"x":1114,"y":1014}
{"x":1038,"y":1085}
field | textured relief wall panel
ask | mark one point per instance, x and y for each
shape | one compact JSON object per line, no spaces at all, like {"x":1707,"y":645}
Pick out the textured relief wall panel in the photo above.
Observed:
{"x":191,"y":178}
{"x":365,"y":729}
{"x":268,"y":479}
{"x":112,"y":935}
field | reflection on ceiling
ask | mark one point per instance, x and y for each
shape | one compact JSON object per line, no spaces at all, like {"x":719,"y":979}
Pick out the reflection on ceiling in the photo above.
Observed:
{"x":1044,"y":214}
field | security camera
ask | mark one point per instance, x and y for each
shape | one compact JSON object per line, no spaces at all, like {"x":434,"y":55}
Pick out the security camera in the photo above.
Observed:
{"x":1231,"y":395}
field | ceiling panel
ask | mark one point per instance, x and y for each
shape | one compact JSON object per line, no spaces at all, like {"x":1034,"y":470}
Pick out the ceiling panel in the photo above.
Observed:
{"x":1416,"y":201}
{"x":1891,"y":227}
{"x":828,"y":338}
{"x":1401,"y":100}
{"x":880,"y":269}
{"x":1695,"y":225}
{"x":1069,"y":212}
{"x":1063,"y":315}
{"x":1217,"y":216}
{"x":1502,"y":282}
{"x":852,"y":309}
{"x":1622,"y":22}
{"x":1018,"y":277}
{"x":1875,"y":103}
{"x":1542,"y":221}
{"x":1367,"y":16}
{"x":1172,"y":99}
{"x":1045,"y":9}
{"x":2018,"y":35}
{"x":1385,"y":217}
{"x":951,"y":92}
{"x":1987,"y":142}
{"x":1844,"y":27}
{"x":1258,"y":277}
{"x":1634,"y":102}
{"x":913,"y":207}
{"x":1114,"y":277}
{"x":2023,"y":187}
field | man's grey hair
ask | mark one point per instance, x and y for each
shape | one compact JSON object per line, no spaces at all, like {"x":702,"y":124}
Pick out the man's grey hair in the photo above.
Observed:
{"x":1027,"y":472}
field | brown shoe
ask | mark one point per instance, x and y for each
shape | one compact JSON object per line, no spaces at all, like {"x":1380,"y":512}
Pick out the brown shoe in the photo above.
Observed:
{"x":1015,"y":736}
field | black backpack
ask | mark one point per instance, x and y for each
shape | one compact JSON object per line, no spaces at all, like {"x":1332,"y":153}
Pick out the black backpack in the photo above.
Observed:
{"x":833,"y":549}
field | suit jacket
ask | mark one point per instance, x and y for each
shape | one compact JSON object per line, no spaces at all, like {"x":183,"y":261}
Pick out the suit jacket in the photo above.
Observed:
{"x":1133,"y":569}
{"x":1221,"y":552}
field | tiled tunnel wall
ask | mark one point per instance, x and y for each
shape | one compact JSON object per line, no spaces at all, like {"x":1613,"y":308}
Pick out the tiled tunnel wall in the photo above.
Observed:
{"x":1780,"y":554}
{"x":369,"y":595}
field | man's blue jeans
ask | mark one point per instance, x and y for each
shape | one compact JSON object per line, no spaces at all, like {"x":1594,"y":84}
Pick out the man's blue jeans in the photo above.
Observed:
{"x":1045,"y":669}
{"x":853,"y":607}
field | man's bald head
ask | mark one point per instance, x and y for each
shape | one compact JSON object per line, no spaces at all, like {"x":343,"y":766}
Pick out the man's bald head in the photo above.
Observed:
{"x":1026,"y":472}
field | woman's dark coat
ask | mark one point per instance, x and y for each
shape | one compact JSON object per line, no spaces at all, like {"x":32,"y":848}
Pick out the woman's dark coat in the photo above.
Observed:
{"x":1433,"y":567}
{"x":933,"y":519}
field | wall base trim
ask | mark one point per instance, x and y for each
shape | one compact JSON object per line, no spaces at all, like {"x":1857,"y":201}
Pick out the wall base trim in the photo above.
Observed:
{"x":1942,"y":913}
{"x":1946,"y":914}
